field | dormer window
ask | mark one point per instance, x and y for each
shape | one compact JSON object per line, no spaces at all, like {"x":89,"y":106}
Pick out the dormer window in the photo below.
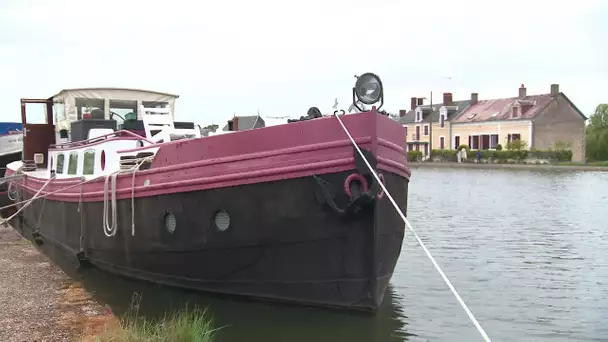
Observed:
{"x":418,"y":115}
{"x":443,"y":116}
{"x":515,"y":112}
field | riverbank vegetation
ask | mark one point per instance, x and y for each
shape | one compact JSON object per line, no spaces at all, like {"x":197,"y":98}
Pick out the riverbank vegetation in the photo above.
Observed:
{"x":514,"y":153}
{"x":596,"y":144}
{"x":192,"y":325}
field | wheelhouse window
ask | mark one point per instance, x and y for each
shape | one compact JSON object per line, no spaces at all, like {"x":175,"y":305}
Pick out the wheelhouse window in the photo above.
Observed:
{"x":59,"y":111}
{"x":123,"y":110}
{"x":60,"y":162}
{"x":88,"y":162}
{"x":73,"y":163}
{"x":90,"y":107}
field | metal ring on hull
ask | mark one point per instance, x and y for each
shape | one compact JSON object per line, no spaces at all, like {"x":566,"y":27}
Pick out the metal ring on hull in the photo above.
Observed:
{"x":355,"y":177}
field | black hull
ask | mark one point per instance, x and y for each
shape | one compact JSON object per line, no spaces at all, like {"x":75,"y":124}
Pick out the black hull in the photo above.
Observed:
{"x":282,"y":243}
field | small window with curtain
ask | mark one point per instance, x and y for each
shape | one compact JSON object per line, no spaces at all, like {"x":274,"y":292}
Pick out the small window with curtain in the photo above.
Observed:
{"x":60,"y":162}
{"x":88,"y":162}
{"x":73,"y":163}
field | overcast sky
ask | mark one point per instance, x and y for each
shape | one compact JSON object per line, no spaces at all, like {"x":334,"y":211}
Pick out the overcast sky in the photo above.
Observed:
{"x":281,"y":57}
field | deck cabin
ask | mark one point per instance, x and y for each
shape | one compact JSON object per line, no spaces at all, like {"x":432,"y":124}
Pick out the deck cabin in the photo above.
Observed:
{"x":87,"y":129}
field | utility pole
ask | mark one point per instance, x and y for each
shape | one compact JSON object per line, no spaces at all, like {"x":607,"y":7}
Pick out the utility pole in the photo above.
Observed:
{"x":431,"y":126}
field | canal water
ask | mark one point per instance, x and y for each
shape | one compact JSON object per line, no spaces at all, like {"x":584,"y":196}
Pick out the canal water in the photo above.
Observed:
{"x":527,"y":250}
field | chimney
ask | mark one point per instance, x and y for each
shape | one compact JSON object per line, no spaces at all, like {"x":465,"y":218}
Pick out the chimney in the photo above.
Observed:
{"x":420,"y":101}
{"x":413,"y":103}
{"x":554,"y":90}
{"x":402,"y":112}
{"x":522,"y":92}
{"x":230,"y":125}
{"x":447,"y":99}
{"x":474,"y":98}
{"x":235,"y":123}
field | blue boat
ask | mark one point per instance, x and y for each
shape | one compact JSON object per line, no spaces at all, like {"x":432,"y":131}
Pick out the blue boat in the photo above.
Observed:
{"x":11,"y":148}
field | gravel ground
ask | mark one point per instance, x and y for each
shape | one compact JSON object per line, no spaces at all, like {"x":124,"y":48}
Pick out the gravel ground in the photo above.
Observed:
{"x":38,"y":301}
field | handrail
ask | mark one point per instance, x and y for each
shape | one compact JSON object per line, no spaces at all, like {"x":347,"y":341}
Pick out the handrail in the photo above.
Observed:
{"x":99,"y":138}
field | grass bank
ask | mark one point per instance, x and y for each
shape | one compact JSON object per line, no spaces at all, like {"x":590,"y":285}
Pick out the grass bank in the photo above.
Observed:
{"x":569,"y":166}
{"x":192,"y":325}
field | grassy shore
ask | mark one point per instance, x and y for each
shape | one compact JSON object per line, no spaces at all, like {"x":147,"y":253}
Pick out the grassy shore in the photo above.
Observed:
{"x":192,"y":325}
{"x":572,"y":166}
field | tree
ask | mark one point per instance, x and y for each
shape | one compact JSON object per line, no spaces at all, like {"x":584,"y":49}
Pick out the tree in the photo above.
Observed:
{"x":596,"y":146}
{"x":212,"y":128}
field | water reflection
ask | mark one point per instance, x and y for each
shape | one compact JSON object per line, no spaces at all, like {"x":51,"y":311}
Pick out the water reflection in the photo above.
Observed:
{"x":527,"y":250}
{"x":244,"y":320}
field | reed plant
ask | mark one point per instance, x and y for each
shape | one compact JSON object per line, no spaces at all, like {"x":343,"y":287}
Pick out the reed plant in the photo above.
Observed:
{"x":184,"y":325}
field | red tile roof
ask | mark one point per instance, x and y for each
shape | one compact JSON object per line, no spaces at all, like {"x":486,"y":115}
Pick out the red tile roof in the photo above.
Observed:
{"x":500,"y":109}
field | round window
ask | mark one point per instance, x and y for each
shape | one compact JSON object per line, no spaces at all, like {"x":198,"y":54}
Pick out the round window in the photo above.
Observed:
{"x":170,"y":222}
{"x":222,"y":220}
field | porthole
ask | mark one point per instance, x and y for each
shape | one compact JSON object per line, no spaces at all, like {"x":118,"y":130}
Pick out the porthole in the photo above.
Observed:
{"x":221,"y":220}
{"x":102,"y":161}
{"x":170,"y":222}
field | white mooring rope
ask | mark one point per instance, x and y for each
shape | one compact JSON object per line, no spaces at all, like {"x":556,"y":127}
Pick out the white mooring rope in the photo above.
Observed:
{"x":409,"y":226}
{"x":110,"y":230}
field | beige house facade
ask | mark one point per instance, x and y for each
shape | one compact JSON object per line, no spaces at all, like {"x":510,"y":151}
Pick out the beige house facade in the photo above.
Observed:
{"x":541,"y":121}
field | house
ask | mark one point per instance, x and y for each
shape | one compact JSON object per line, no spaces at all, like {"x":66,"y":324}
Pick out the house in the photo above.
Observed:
{"x":428,"y":127}
{"x":540,"y":121}
{"x":243,"y":123}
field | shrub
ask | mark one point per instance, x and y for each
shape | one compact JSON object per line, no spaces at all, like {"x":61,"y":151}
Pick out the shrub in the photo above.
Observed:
{"x":413,"y":156}
{"x":517,"y":145}
{"x":444,"y":155}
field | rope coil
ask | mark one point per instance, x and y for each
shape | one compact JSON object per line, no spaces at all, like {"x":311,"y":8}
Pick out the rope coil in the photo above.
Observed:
{"x":411,"y":229}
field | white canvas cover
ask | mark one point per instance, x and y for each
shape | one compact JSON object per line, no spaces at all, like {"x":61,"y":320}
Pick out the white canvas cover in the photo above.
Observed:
{"x":65,"y":110}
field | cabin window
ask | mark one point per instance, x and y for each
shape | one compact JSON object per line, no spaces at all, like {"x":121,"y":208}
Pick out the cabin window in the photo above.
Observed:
{"x":73,"y":163}
{"x":60,"y":160}
{"x":88,"y":162}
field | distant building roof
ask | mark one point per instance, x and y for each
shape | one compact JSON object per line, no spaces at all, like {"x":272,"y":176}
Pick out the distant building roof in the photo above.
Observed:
{"x":500,"y":109}
{"x":433,"y":116}
{"x":247,"y":122}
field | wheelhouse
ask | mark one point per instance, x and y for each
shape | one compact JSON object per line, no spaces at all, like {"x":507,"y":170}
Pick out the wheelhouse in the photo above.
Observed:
{"x":86,"y":128}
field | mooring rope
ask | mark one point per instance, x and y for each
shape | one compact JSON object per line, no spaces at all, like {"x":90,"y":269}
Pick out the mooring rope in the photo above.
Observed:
{"x":108,"y":230}
{"x":30,"y":201}
{"x":409,"y":226}
{"x":38,"y":196}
